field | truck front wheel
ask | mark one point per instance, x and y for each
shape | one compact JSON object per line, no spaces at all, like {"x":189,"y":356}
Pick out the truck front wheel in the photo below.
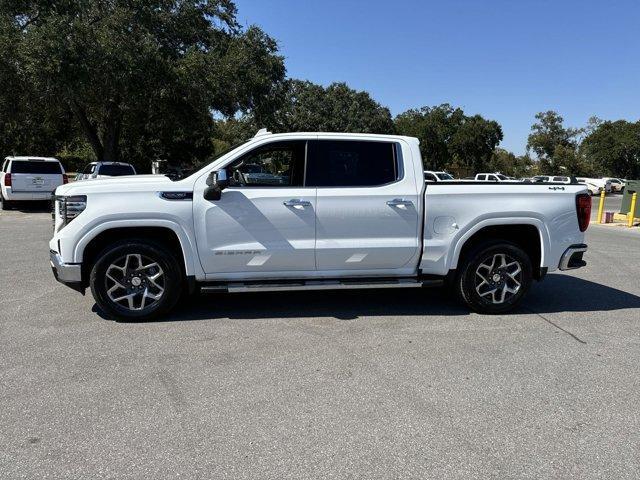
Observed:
{"x":494,"y":277}
{"x":136,"y":280}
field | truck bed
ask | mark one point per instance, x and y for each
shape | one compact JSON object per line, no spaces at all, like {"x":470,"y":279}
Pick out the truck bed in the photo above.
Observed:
{"x":455,"y":211}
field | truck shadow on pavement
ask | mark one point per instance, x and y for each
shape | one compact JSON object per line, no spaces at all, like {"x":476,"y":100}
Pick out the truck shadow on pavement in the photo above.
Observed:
{"x":566,"y":293}
{"x":40,"y":206}
{"x":557,"y":293}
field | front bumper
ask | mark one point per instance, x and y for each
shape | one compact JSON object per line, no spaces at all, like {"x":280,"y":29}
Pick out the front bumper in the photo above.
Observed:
{"x":69,"y":274}
{"x":572,"y":257}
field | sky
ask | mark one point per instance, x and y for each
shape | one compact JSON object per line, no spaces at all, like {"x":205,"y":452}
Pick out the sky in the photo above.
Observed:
{"x":503,"y":59}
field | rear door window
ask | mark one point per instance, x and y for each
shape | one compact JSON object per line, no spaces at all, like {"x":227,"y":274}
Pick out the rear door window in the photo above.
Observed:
{"x":560,"y":179}
{"x":351,"y":163}
{"x":482,"y":177}
{"x":116,"y":170}
{"x":35,"y":167}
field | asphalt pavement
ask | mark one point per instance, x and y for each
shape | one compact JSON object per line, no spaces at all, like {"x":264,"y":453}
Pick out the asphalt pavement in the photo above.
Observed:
{"x":351,"y":384}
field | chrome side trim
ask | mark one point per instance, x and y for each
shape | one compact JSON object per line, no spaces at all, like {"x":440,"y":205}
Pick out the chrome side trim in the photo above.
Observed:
{"x":65,"y":272}
{"x":566,"y":256}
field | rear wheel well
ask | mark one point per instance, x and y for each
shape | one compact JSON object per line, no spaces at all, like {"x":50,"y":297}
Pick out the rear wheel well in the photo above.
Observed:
{"x":527,"y":237}
{"x":158,"y":235}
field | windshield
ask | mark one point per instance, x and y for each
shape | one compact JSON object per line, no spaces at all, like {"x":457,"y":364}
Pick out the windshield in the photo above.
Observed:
{"x":184,"y":173}
{"x":35,"y":166}
{"x":444,"y":176}
{"x":502,"y":177}
{"x":116,"y":170}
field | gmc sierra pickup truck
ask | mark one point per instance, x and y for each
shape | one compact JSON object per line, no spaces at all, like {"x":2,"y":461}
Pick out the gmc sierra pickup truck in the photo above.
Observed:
{"x":312,"y":211}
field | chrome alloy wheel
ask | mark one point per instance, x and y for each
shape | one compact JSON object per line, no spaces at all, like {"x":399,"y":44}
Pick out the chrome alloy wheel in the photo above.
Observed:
{"x":134,"y":282}
{"x":498,"y":278}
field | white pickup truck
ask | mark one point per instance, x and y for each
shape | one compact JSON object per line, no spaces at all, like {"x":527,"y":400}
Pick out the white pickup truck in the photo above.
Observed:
{"x":335,"y":211}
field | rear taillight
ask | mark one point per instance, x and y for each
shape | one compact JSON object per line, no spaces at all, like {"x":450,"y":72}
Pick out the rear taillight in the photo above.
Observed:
{"x":7,"y":180}
{"x":583,"y":209}
{"x":65,"y":180}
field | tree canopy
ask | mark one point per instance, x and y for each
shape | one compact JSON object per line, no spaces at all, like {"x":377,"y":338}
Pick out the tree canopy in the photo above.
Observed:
{"x":180,"y":80}
{"x":337,"y":108}
{"x":554,"y":144}
{"x":449,"y":138}
{"x":140,"y":79}
{"x":614,"y":148}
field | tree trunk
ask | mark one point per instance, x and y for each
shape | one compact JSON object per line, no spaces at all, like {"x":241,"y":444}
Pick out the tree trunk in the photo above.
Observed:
{"x":89,"y":130}
{"x":111,"y":135}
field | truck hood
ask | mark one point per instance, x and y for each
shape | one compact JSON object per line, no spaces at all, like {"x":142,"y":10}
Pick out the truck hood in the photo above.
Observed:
{"x":127,"y":183}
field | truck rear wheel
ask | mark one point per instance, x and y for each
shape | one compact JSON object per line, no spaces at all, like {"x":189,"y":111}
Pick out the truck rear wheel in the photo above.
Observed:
{"x":494,"y":277}
{"x":136,"y":280}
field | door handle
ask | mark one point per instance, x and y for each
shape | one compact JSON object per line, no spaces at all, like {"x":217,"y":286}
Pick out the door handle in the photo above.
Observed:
{"x":296,"y":202}
{"x":397,"y":202}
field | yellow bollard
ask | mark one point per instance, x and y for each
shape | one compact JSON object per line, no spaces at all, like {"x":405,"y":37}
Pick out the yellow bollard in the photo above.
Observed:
{"x":601,"y":207}
{"x":632,"y":211}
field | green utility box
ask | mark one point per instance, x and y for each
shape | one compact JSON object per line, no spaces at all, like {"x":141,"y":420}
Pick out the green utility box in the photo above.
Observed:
{"x":632,"y":186}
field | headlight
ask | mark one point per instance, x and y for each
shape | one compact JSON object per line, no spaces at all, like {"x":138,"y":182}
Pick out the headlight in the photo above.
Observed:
{"x":67,"y":208}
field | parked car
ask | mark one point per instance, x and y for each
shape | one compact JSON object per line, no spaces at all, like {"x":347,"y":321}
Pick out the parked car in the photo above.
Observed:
{"x":592,"y":188}
{"x":598,"y":182}
{"x":105,"y":169}
{"x":617,"y":184}
{"x":493,"y":177}
{"x":353,"y":214}
{"x":431,"y":176}
{"x":29,"y":179}
{"x":553,"y":179}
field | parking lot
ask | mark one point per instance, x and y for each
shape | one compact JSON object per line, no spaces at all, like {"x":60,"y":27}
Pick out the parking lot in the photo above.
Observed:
{"x":377,"y":384}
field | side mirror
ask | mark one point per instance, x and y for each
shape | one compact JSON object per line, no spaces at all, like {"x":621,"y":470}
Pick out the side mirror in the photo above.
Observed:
{"x":216,"y":182}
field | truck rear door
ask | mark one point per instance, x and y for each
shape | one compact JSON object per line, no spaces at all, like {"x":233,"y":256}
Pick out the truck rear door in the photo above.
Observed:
{"x":367,"y":212}
{"x":35,"y":176}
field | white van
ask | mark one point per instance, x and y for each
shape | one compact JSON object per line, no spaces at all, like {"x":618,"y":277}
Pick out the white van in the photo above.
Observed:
{"x":29,"y":178}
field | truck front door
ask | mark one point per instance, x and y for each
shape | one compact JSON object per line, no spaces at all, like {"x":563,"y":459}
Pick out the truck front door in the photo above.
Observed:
{"x":264,"y":223}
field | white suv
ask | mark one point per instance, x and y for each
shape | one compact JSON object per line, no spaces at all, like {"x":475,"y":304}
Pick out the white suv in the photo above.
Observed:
{"x":105,"y":169}
{"x":29,"y":178}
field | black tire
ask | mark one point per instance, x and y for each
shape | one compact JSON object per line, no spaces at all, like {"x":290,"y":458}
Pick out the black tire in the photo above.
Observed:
{"x":6,"y":204}
{"x":122,"y":260}
{"x":480,"y":287}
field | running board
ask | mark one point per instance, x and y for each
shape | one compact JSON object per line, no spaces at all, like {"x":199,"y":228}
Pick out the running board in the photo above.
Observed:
{"x":345,"y":284}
